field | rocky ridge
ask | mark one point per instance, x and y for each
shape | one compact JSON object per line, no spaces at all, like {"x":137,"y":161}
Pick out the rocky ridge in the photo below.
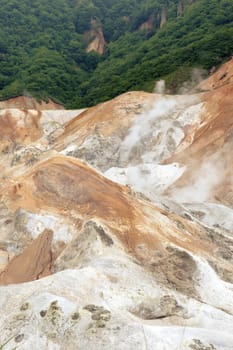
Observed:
{"x":126,"y":207}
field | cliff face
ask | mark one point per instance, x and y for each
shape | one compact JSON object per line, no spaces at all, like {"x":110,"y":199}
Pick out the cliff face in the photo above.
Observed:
{"x":148,"y":25}
{"x":126,"y":207}
{"x":96,"y":39}
{"x":163,"y":19}
{"x":157,"y":19}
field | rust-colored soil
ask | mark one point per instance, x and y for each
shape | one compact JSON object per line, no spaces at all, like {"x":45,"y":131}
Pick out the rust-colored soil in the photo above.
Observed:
{"x":35,"y":261}
{"x":23,"y":129}
{"x":23,"y":102}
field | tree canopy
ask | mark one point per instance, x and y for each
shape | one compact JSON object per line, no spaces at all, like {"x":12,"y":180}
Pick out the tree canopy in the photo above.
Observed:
{"x":43,"y":46}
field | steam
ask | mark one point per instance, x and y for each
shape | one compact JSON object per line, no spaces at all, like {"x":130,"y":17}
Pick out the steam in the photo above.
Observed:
{"x":142,"y":128}
{"x":160,"y":87}
{"x":197,"y":76}
{"x":204,"y":182}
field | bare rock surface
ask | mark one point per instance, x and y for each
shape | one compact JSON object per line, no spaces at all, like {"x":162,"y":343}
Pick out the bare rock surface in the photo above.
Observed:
{"x":26,"y":102}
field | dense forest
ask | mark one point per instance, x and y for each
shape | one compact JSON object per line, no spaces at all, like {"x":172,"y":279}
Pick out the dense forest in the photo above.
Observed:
{"x":45,"y":45}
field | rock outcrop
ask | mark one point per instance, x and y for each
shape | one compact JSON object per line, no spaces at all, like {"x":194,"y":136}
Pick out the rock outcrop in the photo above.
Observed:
{"x":163,"y":17}
{"x":95,"y":39}
{"x":148,"y":25}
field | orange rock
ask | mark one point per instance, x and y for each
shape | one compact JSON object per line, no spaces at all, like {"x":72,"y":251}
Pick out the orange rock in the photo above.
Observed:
{"x":34,"y":262}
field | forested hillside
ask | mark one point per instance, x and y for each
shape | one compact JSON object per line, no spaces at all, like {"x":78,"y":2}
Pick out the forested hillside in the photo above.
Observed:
{"x":81,"y":52}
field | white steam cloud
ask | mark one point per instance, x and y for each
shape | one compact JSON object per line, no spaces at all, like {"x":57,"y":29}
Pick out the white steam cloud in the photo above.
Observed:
{"x":203,"y":182}
{"x":197,"y":77}
{"x":160,"y":87}
{"x":143,"y":126}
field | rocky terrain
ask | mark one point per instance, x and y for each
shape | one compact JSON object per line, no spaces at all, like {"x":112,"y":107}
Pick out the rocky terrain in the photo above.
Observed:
{"x":117,"y":222}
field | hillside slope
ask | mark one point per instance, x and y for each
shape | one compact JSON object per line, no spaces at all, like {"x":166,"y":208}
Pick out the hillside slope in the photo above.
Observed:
{"x":116,"y":223}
